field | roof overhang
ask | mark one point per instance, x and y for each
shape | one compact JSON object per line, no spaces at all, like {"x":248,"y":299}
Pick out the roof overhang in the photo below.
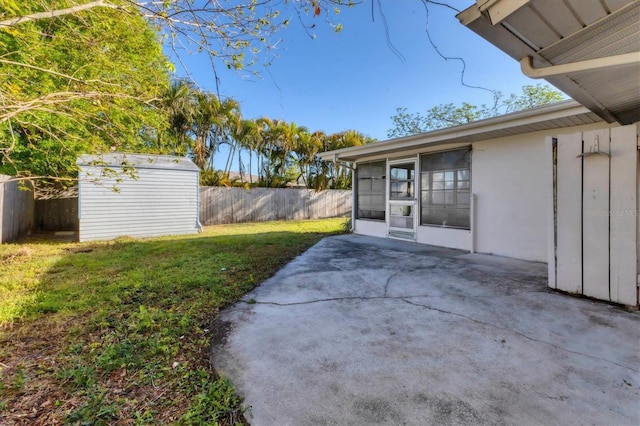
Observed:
{"x":589,"y":49}
{"x":554,"y":116}
{"x":137,"y":161}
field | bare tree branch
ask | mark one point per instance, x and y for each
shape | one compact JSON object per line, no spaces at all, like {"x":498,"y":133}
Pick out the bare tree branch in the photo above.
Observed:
{"x":49,"y":71}
{"x":58,"y":98}
{"x":54,"y":13}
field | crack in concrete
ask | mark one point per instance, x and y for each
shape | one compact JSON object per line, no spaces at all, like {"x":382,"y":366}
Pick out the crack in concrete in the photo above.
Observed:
{"x":406,"y":300}
{"x":386,"y":285}
{"x":533,"y":339}
{"x":330,"y":299}
{"x":412,"y":296}
{"x":445,"y":265}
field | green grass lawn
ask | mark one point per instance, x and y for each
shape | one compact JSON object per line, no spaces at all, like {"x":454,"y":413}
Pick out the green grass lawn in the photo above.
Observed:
{"x":118,"y":331}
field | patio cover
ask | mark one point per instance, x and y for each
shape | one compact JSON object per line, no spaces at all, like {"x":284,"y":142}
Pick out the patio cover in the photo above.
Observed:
{"x":597,"y":42}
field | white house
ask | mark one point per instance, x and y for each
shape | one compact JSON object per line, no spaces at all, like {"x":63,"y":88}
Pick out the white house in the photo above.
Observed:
{"x":556,"y":184}
{"x":136,"y":195}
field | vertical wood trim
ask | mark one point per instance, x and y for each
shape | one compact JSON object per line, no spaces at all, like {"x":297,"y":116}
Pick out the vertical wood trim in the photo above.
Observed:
{"x":569,"y":214}
{"x":623,"y":215}
{"x":595,"y":216}
{"x":551,"y":214}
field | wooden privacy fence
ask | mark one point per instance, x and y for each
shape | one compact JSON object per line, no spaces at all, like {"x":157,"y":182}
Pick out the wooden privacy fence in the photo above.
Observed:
{"x":235,"y":205}
{"x":57,"y":214}
{"x":19,"y":213}
{"x":16,"y":209}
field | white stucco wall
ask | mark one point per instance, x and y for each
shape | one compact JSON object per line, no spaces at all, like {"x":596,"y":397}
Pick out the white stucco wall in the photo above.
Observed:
{"x":373,"y":228}
{"x":511,"y":197}
{"x":508,"y":177}
{"x":444,"y":237}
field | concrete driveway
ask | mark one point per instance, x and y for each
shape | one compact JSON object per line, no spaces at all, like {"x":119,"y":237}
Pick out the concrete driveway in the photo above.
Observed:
{"x":360,"y":331}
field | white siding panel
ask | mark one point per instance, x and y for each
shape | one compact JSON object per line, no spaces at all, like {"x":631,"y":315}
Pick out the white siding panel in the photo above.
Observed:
{"x":595,"y":205}
{"x":158,"y":202}
{"x":569,"y":219}
{"x":623,"y":212}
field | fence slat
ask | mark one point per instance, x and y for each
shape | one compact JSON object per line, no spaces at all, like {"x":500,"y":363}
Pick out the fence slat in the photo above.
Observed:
{"x":57,"y":214}
{"x":16,"y":209}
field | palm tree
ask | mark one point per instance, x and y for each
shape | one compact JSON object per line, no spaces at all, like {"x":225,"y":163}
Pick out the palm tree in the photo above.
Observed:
{"x":270,"y":134}
{"x":210,"y":122}
{"x":317,"y":170}
{"x":284,"y":139}
{"x":246,"y":136}
{"x":178,"y":104}
{"x":340,"y":175}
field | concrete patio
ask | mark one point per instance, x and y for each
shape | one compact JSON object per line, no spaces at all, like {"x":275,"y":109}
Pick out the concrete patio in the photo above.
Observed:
{"x":360,"y":330}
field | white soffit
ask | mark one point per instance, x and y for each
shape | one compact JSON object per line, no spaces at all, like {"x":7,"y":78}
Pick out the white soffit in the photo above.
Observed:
{"x":558,"y":32}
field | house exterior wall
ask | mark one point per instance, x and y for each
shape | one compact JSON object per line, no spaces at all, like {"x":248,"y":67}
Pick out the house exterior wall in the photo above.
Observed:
{"x":372,"y":228}
{"x":158,"y":202}
{"x":444,"y":237}
{"x":509,"y":183}
{"x":512,"y":195}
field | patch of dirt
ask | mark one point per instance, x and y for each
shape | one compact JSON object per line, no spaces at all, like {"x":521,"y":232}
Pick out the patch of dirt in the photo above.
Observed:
{"x":28,"y":357}
{"x":33,"y":393}
{"x":20,"y":254}
{"x":220,"y":331}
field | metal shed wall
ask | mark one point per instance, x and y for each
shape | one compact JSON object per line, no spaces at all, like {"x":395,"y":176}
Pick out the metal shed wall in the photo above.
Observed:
{"x":159,"y":201}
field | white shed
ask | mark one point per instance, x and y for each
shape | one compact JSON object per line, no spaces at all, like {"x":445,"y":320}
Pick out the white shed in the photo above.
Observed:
{"x":136,"y":195}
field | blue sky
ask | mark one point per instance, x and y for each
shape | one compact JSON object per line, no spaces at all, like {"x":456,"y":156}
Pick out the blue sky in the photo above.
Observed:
{"x":353,"y":79}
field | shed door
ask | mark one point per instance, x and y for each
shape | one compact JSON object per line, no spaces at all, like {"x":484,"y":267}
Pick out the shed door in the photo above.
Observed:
{"x":596,"y":214}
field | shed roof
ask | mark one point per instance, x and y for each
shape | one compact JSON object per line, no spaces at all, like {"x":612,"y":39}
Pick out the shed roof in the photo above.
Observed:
{"x":589,"y":49}
{"x":554,"y":116}
{"x":138,"y":161}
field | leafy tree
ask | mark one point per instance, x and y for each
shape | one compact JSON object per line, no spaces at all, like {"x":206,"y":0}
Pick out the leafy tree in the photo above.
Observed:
{"x":531,"y":97}
{"x":406,"y":123}
{"x":86,"y":76}
{"x":83,"y":84}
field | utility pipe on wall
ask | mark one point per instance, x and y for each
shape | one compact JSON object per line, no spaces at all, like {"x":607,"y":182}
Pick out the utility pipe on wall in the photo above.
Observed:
{"x":472,"y":222}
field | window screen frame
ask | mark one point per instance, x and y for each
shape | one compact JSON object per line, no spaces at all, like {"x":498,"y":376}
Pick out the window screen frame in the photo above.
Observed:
{"x":409,"y":181}
{"x":380,"y":182}
{"x":453,"y":190}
